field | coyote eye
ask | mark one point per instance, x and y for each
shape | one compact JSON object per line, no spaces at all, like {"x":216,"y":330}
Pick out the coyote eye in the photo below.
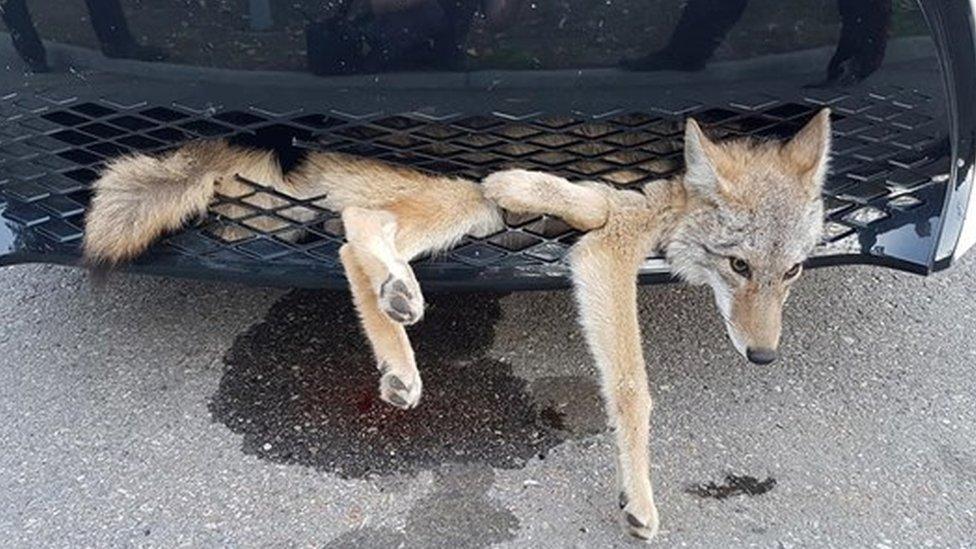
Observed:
{"x":739,"y":266}
{"x":793,"y":272}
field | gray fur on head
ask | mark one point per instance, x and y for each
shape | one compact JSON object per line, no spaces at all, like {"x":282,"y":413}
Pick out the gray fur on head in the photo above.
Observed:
{"x":758,"y":202}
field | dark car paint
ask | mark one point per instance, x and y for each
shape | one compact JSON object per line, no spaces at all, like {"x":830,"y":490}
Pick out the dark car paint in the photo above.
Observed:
{"x":891,"y":71}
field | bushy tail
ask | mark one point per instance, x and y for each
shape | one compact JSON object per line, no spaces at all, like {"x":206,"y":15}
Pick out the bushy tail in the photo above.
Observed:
{"x":138,"y":198}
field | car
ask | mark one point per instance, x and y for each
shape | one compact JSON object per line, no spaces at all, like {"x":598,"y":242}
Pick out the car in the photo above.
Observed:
{"x":591,"y":91}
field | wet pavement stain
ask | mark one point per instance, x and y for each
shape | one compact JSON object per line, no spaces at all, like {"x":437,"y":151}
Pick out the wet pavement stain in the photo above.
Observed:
{"x":369,"y":537}
{"x":571,"y":404}
{"x":958,"y":461}
{"x":457,"y":514}
{"x":734,"y":485}
{"x":301,"y":387}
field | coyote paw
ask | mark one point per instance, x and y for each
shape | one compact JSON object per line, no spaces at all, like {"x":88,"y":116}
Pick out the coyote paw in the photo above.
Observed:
{"x":401,"y":300}
{"x":513,"y":190}
{"x":401,"y":390}
{"x":640,"y":521}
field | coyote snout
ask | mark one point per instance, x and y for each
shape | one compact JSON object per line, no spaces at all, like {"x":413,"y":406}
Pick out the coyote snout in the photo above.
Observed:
{"x":753,"y":311}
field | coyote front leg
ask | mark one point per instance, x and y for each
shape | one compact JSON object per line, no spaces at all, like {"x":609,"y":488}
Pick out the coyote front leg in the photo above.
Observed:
{"x":400,"y":384}
{"x":605,"y":265}
{"x":372,"y":234}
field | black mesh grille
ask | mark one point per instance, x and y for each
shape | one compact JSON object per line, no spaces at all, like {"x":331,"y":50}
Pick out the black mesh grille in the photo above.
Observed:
{"x":885,"y":156}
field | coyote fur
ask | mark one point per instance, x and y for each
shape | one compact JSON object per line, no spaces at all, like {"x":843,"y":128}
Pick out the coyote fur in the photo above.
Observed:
{"x":741,"y":219}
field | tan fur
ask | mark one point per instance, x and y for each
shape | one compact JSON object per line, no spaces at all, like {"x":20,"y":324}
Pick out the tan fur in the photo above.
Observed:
{"x":138,"y":198}
{"x":743,"y":178}
{"x":581,"y":206}
{"x":394,"y":354}
{"x":740,"y":163}
{"x":758,"y":311}
{"x":605,"y":264}
{"x":807,"y":153}
{"x":391,"y":215}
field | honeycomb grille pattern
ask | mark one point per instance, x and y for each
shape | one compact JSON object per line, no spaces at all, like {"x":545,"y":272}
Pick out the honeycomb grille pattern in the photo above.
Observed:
{"x":52,"y":149}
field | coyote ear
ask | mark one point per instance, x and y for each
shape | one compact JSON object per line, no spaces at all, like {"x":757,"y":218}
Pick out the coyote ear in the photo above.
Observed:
{"x":809,"y":150}
{"x":700,"y":170}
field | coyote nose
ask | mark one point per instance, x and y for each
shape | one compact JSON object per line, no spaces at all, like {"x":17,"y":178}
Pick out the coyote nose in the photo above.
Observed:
{"x":761,"y":356}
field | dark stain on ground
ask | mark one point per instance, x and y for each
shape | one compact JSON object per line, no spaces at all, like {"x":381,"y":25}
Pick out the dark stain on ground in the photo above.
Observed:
{"x":458,"y":513}
{"x":734,"y":485}
{"x":571,"y":404}
{"x":302,"y":388}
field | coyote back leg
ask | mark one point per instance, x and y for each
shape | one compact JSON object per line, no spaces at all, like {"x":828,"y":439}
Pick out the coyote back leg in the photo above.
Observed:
{"x":387,"y":296}
{"x":400,"y":384}
{"x":372,"y":236}
{"x":386,"y":293}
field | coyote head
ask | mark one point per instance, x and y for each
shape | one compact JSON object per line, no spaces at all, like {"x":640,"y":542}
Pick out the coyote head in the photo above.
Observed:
{"x":755,"y":213}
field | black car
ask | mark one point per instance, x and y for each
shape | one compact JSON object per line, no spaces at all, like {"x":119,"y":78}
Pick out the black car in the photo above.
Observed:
{"x":587,"y":89}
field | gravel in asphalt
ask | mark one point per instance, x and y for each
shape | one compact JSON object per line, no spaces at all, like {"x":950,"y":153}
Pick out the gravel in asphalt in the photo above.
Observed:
{"x":155,"y":412}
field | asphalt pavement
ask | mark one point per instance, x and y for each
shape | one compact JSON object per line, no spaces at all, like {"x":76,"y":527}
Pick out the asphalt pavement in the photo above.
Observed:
{"x":163,"y":413}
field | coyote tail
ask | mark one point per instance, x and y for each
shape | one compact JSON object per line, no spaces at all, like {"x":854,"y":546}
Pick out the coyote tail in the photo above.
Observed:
{"x":138,"y":198}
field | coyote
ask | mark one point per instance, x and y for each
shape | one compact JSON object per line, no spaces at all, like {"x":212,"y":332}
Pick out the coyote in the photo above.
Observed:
{"x":741,"y":219}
